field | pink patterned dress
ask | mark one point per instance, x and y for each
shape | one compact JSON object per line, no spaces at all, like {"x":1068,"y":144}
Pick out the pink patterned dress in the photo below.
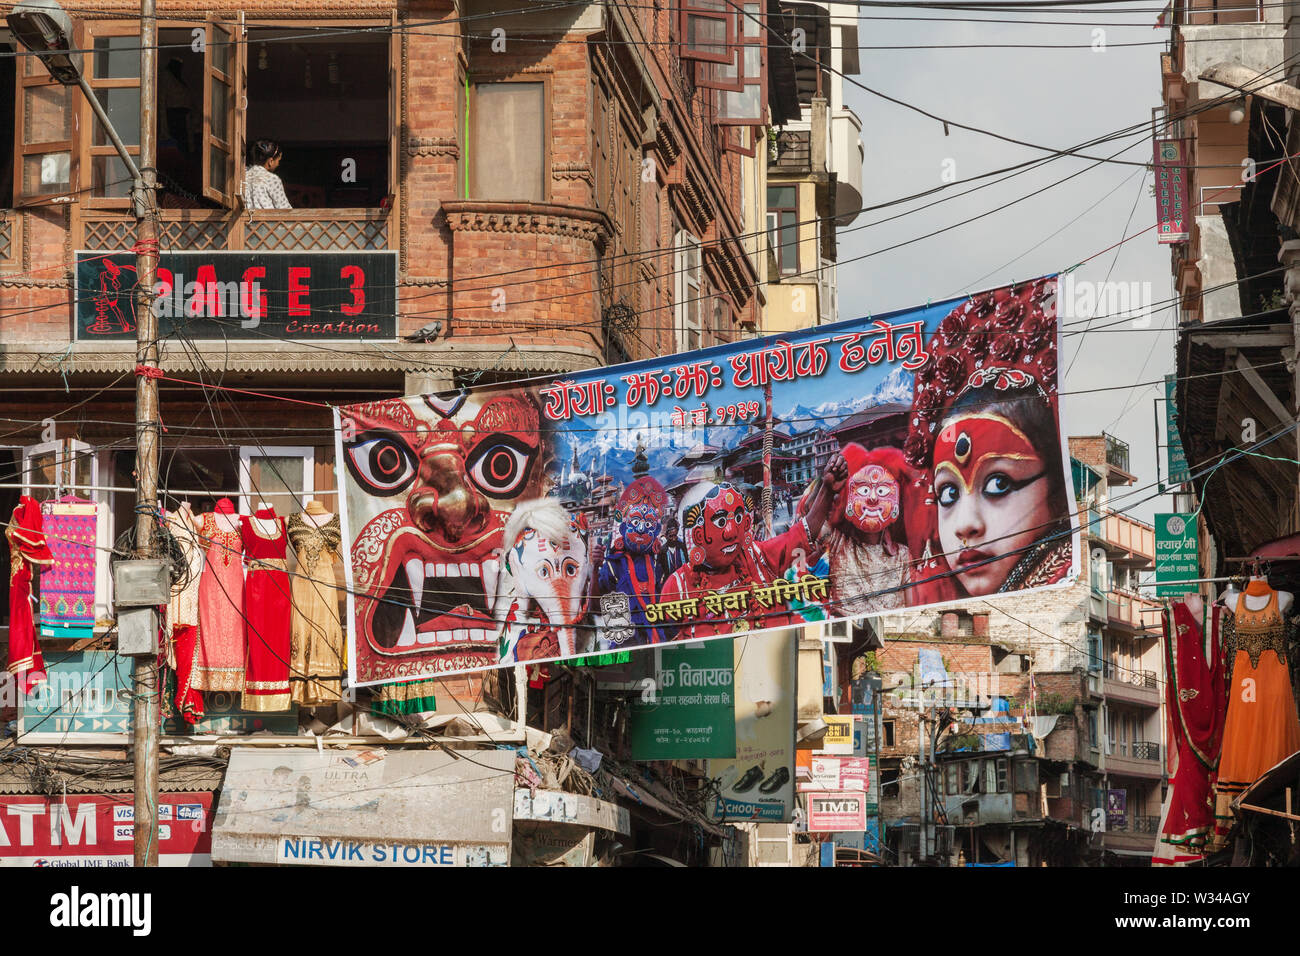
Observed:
{"x":219,"y":659}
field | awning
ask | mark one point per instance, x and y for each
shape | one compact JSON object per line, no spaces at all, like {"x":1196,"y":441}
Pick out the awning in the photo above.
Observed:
{"x":366,"y":808}
{"x":555,"y":806}
{"x":1233,"y":373}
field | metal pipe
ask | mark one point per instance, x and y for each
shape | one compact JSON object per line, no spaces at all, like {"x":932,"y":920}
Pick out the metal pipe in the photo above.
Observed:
{"x":100,"y":114}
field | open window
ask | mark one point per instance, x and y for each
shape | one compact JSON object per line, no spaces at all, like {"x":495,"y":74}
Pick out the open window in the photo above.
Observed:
{"x":195,"y":112}
{"x":329,"y":101}
{"x":64,"y":466}
{"x":706,"y":30}
{"x":783,"y":227}
{"x":43,"y":164}
{"x":746,"y":106}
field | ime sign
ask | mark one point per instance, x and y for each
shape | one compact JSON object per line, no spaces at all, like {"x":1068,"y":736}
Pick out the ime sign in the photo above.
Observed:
{"x":243,"y":295}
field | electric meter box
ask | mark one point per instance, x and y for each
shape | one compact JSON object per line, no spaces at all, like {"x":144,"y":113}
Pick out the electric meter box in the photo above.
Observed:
{"x":143,"y":583}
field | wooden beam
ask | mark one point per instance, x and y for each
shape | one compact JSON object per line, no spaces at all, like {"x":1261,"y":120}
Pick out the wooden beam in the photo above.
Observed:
{"x":1250,"y":81}
{"x":1263,"y":340}
{"x":1263,"y":391}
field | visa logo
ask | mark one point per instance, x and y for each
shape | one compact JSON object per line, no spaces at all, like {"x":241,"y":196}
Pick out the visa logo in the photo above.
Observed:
{"x":123,"y":814}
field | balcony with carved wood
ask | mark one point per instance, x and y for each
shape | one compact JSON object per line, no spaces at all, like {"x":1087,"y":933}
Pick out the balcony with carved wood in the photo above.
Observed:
{"x":270,"y":230}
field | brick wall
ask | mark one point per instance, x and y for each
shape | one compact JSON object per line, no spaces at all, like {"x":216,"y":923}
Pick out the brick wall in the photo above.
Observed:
{"x":537,"y":267}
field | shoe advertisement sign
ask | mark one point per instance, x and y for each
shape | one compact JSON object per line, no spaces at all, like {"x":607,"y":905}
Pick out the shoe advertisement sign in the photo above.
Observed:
{"x":759,"y":784}
{"x":690,"y":712}
{"x":862,"y":467}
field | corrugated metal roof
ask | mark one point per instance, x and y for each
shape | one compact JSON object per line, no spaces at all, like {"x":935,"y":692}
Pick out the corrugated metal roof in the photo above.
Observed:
{"x":114,"y":777}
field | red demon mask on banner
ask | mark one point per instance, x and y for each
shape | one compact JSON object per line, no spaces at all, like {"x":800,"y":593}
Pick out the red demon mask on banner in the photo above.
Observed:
{"x":426,"y":568}
{"x":719,"y":528}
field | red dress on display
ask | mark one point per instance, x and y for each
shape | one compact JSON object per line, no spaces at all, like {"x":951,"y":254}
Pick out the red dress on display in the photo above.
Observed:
{"x":1196,"y":708}
{"x":267,"y":612}
{"x":28,"y":556}
{"x":219,"y":643}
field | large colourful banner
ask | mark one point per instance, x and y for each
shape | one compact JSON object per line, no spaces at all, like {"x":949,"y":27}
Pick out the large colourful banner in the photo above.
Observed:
{"x":896,"y":461}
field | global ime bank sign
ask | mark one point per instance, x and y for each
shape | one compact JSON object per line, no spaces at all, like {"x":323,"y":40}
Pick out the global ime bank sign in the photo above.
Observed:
{"x":242,"y":295}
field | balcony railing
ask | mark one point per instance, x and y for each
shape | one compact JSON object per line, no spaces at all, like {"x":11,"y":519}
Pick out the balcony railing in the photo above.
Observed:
{"x":793,"y":150}
{"x":1116,"y":452}
{"x":1133,"y":611}
{"x":1146,"y":749}
{"x":1121,"y":531}
{"x":271,"y":229}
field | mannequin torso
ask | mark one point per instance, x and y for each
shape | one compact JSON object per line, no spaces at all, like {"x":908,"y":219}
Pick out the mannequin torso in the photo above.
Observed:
{"x":1257,"y":599}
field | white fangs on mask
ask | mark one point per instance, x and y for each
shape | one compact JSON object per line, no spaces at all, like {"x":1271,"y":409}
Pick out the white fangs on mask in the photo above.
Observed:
{"x":415,"y":578}
{"x":408,"y":635}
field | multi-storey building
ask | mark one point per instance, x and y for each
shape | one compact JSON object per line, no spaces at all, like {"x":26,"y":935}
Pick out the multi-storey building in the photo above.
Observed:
{"x":476,"y":197}
{"x":1090,"y":783}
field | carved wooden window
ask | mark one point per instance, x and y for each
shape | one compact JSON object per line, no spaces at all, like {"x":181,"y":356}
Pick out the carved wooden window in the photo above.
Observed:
{"x":44,"y":164}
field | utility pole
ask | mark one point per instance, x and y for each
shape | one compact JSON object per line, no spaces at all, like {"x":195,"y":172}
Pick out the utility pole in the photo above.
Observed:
{"x":148,"y":426}
{"x":44,"y":28}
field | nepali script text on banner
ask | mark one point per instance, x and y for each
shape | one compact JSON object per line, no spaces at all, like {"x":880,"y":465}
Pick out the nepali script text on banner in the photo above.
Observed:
{"x":867,"y":466}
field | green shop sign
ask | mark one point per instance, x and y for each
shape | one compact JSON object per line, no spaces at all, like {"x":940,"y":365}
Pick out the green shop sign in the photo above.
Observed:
{"x":689,"y":713}
{"x":1176,"y":558}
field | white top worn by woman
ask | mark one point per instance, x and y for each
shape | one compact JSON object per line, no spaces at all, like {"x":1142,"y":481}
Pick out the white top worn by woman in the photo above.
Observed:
{"x":263,"y":189}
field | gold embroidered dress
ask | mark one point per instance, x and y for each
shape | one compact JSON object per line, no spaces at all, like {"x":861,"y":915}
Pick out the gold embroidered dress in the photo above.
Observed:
{"x":317,"y":654}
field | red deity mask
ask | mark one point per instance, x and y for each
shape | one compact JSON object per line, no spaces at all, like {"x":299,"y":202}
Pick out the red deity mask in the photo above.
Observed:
{"x":872,"y":503}
{"x":720,"y":528}
{"x":426,"y":568}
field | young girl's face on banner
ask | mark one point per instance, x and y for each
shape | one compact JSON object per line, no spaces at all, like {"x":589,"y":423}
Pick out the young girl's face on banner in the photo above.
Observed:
{"x":991,"y":490}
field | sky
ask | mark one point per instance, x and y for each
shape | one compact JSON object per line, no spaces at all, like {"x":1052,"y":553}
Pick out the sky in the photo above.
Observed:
{"x":1056,"y":98}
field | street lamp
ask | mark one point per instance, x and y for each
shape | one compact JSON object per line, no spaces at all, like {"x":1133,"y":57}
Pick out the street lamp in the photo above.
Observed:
{"x":43,"y":28}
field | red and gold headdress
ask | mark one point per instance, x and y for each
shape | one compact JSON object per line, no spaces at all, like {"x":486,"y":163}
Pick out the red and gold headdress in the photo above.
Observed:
{"x":1004,"y":339}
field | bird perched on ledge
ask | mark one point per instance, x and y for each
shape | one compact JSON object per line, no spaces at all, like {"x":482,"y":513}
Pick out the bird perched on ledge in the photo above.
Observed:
{"x":426,"y":334}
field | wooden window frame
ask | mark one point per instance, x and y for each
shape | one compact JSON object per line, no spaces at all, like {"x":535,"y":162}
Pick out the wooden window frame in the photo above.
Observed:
{"x":690,"y":291}
{"x":30,"y":73}
{"x":236,"y":74}
{"x":719,"y":11}
{"x":720,"y":96}
{"x":547,"y":132}
{"x":775,"y":233}
{"x":395,"y":144}
{"x":92,"y":31}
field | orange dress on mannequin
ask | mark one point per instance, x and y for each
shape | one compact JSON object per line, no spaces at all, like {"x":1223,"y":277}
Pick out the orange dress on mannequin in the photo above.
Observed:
{"x":1262,"y":727}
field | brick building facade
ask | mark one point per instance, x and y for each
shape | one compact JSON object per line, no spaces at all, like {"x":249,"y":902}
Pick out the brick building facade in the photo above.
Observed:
{"x":552,"y":186}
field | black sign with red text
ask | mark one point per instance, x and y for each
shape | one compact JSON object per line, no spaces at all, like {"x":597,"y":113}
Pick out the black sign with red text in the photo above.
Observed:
{"x":243,"y":295}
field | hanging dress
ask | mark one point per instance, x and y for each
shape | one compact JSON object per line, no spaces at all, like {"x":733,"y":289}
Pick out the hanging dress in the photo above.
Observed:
{"x":1262,"y":726}
{"x":28,"y":556}
{"x":266,"y":610}
{"x":219,"y":661}
{"x":1195,"y":708}
{"x":68,"y":588}
{"x":183,"y":615}
{"x":316,"y":632}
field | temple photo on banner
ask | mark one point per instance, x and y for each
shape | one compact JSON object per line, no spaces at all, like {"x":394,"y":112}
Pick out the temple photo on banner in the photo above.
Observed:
{"x":888,"y":462}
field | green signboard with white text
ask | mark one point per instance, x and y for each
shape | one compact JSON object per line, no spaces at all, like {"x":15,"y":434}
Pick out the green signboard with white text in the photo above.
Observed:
{"x":690,"y":712}
{"x":1176,"y":558}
